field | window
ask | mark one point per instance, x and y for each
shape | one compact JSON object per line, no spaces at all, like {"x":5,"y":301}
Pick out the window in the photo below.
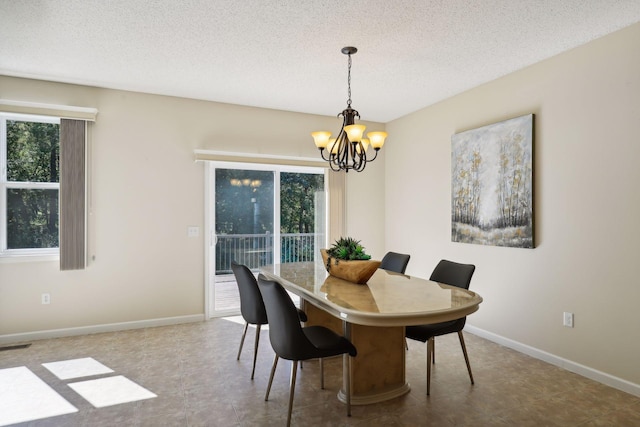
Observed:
{"x":29,"y":184}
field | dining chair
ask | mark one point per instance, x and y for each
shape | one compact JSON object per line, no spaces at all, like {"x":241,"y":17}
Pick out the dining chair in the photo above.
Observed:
{"x":454,"y":274}
{"x":294,"y":342}
{"x":252,"y":307}
{"x":394,"y":261}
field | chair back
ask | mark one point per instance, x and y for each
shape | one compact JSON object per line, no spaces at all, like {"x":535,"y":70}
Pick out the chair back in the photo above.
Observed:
{"x":251,"y":304}
{"x":285,"y":332}
{"x":453,"y":273}
{"x":395,"y":262}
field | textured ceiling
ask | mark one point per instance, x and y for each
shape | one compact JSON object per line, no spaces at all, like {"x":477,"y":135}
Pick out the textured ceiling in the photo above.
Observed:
{"x":285,"y":54}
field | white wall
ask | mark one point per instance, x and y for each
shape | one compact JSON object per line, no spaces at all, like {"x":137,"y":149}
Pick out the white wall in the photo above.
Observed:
{"x":145,"y":191}
{"x":587,"y":203}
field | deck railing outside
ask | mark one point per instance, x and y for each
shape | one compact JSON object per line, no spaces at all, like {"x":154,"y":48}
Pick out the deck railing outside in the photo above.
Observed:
{"x":256,"y":250}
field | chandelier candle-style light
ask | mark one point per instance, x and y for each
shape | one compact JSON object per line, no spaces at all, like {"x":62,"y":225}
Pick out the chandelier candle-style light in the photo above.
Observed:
{"x":349,"y":150}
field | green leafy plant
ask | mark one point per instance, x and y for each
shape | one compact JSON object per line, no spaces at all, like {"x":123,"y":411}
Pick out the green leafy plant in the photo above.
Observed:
{"x":348,"y":249}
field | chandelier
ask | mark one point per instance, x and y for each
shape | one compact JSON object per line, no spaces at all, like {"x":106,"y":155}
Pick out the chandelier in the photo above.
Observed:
{"x":349,"y":150}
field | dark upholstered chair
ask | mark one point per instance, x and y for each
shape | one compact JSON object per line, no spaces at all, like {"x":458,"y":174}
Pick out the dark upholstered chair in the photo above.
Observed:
{"x":252,"y":307}
{"x":395,"y":262}
{"x":293,"y":342}
{"x":450,"y":273}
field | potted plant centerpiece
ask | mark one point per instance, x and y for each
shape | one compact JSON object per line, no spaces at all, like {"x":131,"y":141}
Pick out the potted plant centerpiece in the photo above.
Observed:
{"x":347,"y":259}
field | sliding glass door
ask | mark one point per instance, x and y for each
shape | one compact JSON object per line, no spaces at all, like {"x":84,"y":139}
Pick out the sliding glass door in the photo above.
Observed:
{"x":260,"y":215}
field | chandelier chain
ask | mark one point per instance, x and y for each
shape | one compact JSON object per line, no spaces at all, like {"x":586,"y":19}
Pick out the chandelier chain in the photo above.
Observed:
{"x":349,"y":83}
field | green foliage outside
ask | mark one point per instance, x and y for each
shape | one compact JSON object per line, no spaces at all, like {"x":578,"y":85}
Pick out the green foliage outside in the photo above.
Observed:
{"x":297,"y":201}
{"x":244,"y":205}
{"x":244,"y":202}
{"x":297,"y":213}
{"x":32,"y":156}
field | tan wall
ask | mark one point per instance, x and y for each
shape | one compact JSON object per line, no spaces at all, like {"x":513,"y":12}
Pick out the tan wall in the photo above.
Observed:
{"x":145,"y":191}
{"x":587,"y":203}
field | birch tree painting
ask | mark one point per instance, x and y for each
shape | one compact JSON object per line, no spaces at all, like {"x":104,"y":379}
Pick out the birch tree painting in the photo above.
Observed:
{"x":491,"y":184}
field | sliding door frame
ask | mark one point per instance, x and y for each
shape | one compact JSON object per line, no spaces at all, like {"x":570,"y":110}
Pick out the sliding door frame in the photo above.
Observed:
{"x":210,"y":215}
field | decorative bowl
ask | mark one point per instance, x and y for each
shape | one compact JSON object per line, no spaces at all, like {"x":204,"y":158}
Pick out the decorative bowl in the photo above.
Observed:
{"x":357,"y":271}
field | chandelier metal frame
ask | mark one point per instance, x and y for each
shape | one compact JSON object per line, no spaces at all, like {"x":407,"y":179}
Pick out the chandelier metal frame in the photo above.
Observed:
{"x":345,"y":153}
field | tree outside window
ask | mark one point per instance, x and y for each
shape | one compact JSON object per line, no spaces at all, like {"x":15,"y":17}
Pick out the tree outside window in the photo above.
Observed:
{"x":31,"y":183}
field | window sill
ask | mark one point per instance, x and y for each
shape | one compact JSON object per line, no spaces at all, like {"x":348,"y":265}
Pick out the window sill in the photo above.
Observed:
{"x":10,"y":259}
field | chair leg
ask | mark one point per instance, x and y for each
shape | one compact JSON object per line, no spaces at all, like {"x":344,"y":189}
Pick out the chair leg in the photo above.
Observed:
{"x":429,"y":362}
{"x":466,"y":357}
{"x":273,"y":371}
{"x":292,"y":389}
{"x":321,"y":374}
{"x":246,"y":326}
{"x":255,"y":350}
{"x":433,"y":350}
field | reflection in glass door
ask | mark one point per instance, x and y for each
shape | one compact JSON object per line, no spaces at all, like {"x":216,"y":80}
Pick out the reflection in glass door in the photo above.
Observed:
{"x":243,"y":228}
{"x":260,"y":215}
{"x":302,"y":216}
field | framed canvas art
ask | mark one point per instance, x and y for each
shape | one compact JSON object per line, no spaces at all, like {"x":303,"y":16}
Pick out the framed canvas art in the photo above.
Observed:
{"x":492,"y":184}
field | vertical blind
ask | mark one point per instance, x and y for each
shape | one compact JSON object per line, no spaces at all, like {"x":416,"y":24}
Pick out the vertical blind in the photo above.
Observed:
{"x":337,"y":194}
{"x":72,"y":194}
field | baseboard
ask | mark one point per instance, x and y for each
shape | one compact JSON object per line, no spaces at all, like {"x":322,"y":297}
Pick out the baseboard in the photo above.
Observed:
{"x":94,"y":329}
{"x":563,"y":363}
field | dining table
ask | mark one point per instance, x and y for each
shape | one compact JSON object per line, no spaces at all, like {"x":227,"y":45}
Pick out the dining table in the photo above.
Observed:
{"x":373,"y":316}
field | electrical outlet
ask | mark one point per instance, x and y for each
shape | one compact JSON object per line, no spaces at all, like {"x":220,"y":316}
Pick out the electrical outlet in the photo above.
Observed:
{"x":567,"y":319}
{"x":46,"y":298}
{"x":193,"y":231}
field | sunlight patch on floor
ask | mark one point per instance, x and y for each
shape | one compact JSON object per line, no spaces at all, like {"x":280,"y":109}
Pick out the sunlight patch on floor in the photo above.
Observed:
{"x":25,"y":397}
{"x":240,"y":321}
{"x":111,"y":391}
{"x":77,"y":368}
{"x":235,"y":319}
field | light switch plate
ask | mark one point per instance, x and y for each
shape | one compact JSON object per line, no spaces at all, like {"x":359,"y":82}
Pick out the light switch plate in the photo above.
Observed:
{"x":567,"y":319}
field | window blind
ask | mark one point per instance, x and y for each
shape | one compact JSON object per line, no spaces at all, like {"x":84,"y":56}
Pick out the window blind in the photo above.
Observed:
{"x":72,"y":194}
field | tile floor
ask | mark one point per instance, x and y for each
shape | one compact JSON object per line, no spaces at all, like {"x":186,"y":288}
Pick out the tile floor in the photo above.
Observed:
{"x":192,"y":369}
